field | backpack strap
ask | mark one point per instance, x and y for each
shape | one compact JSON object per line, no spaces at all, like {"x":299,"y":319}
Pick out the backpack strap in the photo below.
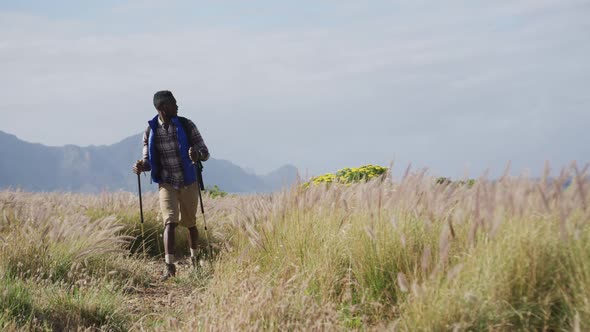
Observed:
{"x":185,"y":126}
{"x":198,"y":164}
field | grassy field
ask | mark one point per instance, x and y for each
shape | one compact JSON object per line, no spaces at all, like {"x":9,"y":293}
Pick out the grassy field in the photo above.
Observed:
{"x":406,"y":254}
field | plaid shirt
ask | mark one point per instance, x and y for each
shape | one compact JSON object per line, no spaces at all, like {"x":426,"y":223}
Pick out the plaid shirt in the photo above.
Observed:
{"x":166,"y":143}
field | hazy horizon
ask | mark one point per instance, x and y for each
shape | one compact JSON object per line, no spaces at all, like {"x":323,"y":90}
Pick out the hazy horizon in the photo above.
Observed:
{"x":457,"y":87}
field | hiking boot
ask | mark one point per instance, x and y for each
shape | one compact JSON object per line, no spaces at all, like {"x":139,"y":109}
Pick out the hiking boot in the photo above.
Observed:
{"x":170,"y":272}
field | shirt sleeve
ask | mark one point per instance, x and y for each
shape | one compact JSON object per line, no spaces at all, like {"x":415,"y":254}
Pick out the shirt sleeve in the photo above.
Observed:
{"x":197,"y":141}
{"x":145,"y":151}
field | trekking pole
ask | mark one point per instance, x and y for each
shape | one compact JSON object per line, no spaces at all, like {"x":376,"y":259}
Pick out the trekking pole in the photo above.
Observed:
{"x":199,"y":182}
{"x":141,"y":213}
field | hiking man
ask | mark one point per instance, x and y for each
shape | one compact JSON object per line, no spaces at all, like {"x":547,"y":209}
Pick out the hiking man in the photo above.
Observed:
{"x":170,"y":146}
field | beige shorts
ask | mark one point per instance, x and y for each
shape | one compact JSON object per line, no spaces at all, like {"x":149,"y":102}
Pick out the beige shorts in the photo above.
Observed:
{"x":179,"y":206}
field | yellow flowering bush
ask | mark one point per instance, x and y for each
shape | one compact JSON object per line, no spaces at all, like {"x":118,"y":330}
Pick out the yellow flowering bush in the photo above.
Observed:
{"x":350,"y":175}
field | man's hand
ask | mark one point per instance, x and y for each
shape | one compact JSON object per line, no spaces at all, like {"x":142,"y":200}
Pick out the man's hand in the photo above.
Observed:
{"x":194,"y":154}
{"x":138,"y":167}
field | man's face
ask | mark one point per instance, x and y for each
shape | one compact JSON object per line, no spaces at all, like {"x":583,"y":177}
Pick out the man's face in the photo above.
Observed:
{"x":170,"y":109}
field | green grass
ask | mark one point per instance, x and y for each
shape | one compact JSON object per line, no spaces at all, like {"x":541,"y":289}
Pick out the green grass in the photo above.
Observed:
{"x":16,"y":303}
{"x":49,"y":306}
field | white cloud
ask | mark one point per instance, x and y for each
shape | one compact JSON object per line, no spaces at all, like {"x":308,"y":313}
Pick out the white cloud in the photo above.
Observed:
{"x":403,"y":83}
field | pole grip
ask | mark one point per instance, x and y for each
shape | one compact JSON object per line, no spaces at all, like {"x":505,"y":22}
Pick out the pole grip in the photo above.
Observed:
{"x":200,"y":186}
{"x":199,"y":170}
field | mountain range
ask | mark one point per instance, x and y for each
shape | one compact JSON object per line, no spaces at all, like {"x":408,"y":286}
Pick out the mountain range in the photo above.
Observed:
{"x":37,"y":167}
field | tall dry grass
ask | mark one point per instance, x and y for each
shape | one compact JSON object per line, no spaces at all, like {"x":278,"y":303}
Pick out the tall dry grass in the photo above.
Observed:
{"x":60,"y":269}
{"x":511,"y":254}
{"x":74,"y":261}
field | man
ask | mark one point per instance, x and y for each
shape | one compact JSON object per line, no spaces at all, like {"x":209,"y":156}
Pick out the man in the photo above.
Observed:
{"x":170,"y":146}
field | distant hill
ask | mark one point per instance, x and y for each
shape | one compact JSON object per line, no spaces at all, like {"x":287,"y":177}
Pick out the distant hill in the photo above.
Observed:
{"x":36,"y":167}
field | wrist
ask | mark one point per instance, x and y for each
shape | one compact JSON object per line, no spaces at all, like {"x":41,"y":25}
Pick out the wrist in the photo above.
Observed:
{"x":145,"y":165}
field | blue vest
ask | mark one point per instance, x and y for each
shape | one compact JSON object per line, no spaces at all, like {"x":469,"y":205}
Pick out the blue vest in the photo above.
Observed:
{"x":183,"y":145}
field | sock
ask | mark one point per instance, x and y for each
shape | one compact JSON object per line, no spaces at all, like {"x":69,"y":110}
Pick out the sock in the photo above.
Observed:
{"x":193,"y":252}
{"x":169,"y":259}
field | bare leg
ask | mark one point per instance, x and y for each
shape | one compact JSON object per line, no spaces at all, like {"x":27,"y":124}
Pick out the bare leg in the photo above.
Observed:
{"x":188,"y":200}
{"x":169,"y":239}
{"x":170,"y":211}
{"x":193,"y":235}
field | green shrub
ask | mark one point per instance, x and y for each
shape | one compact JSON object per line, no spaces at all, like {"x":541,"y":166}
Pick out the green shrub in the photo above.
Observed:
{"x":445,"y":180}
{"x":214,"y":192}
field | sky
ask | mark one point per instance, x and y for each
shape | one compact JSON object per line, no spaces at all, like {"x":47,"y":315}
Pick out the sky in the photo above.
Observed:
{"x":458,"y":87}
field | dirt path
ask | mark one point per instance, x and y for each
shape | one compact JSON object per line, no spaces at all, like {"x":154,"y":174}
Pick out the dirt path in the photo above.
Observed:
{"x":165,"y":299}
